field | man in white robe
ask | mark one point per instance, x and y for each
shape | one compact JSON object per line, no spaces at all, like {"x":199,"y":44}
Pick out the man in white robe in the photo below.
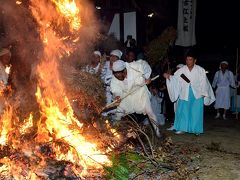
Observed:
{"x":131,"y":57}
{"x":222,"y":81}
{"x":190,"y":87}
{"x":5,"y":56}
{"x":115,"y":55}
{"x":94,"y":66}
{"x":128,"y":85}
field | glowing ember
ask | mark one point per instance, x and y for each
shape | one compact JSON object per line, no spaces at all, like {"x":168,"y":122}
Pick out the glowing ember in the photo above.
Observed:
{"x":8,"y":69}
{"x":28,"y":123}
{"x":6,"y":120}
{"x":113,"y":131}
{"x":5,"y":165}
{"x":18,"y":2}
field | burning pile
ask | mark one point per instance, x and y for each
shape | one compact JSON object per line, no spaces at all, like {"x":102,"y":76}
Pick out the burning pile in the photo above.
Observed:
{"x":30,"y":149}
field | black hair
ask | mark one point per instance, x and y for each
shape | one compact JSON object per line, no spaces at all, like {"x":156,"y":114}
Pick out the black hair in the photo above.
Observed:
{"x":115,"y":72}
{"x":128,"y":50}
{"x":191,"y":53}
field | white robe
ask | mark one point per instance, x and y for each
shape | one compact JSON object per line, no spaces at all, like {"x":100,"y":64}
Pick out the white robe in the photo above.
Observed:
{"x":3,"y":83}
{"x":138,"y":95}
{"x":92,"y":70}
{"x":107,"y":77}
{"x":223,"y":81}
{"x":179,"y":88}
{"x":146,"y":68}
{"x":135,"y":82}
{"x":134,"y":94}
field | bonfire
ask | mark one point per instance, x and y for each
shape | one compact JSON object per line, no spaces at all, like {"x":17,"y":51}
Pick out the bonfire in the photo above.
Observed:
{"x":52,"y":126}
{"x":55,"y":142}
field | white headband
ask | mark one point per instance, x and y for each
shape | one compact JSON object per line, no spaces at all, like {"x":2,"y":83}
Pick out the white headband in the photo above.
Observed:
{"x":117,"y":53}
{"x":118,"y":65}
{"x":224,"y":62}
{"x":97,"y":53}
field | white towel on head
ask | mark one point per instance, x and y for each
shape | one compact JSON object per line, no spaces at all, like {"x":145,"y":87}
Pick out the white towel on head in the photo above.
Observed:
{"x":97,"y":53}
{"x":224,"y":62}
{"x":118,"y":65}
{"x":117,"y":53}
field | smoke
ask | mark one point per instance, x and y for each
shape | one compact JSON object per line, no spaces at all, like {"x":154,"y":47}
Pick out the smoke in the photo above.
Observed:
{"x":19,"y":32}
{"x":22,"y":27}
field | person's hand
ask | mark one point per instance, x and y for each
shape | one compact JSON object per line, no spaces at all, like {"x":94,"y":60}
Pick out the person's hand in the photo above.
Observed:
{"x":118,"y":99}
{"x":148,"y":81}
{"x":166,"y":75}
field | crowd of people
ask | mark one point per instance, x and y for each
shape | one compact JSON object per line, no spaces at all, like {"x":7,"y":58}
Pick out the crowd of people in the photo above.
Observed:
{"x":130,"y":84}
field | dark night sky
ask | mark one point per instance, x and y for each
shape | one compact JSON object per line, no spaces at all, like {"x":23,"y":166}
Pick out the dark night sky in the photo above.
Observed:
{"x":217,"y":23}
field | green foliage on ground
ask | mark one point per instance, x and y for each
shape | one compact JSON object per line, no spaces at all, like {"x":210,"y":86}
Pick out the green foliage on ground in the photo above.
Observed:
{"x":123,"y":166}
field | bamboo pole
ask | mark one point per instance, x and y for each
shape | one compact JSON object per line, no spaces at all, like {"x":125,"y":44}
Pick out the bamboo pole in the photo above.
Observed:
{"x":236,"y":95}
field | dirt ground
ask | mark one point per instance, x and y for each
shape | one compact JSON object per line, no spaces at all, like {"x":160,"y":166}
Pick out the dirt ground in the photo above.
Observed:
{"x":219,"y":148}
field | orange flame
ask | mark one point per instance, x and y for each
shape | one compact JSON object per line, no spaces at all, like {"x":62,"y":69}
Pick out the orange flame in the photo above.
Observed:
{"x":6,"y":126}
{"x":58,"y":118}
{"x":8,"y":69}
{"x":66,"y":127}
{"x":57,"y":126}
{"x":70,"y":10}
{"x":28,"y":123}
{"x":18,"y":2}
{"x":113,"y":131}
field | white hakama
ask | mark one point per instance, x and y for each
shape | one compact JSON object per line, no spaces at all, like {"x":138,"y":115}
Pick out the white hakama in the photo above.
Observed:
{"x":223,"y":81}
